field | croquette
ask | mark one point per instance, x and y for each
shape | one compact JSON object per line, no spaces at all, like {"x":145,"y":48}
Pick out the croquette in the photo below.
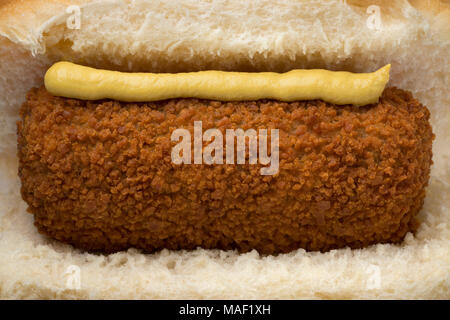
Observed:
{"x":99,"y":174}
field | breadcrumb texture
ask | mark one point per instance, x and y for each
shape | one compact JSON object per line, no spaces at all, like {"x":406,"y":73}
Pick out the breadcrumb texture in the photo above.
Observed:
{"x":99,"y":175}
{"x":187,"y":35}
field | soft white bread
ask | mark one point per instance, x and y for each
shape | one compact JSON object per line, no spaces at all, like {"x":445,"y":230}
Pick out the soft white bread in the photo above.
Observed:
{"x":257,"y":35}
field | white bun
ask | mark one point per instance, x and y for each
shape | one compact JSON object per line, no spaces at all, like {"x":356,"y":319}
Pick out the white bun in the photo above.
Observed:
{"x":186,"y":35}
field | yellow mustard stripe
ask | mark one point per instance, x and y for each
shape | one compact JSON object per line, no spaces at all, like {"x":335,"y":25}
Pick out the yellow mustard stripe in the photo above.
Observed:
{"x":75,"y":81}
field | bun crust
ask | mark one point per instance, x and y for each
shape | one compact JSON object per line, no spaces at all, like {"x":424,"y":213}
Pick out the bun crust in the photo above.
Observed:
{"x":260,"y":35}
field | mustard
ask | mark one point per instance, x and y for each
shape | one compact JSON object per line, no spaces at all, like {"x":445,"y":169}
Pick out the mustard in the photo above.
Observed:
{"x":339,"y":87}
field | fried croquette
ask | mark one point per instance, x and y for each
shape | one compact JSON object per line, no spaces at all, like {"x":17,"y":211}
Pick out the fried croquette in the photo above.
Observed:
{"x":99,"y":175}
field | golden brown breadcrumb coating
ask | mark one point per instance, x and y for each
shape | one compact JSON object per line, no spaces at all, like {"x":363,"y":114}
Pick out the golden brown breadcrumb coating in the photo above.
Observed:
{"x":99,"y":175}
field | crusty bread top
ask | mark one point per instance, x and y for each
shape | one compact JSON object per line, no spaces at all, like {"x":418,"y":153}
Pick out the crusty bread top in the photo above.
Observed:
{"x":188,"y":35}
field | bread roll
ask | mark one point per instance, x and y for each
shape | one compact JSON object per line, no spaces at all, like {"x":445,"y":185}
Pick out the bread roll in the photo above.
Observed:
{"x":161,"y":36}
